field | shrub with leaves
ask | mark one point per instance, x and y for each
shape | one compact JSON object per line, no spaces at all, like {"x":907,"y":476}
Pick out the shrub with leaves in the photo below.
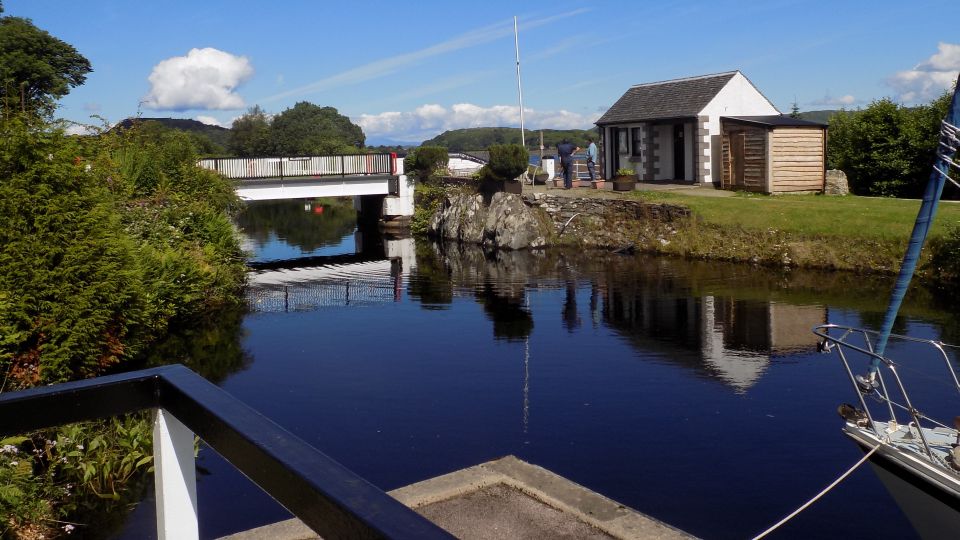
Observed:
{"x":106,"y":242}
{"x":507,"y":161}
{"x":426,"y":162}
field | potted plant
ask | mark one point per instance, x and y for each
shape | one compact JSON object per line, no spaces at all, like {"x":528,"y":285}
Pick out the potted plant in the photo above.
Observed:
{"x":507,"y":163}
{"x":625,"y":180}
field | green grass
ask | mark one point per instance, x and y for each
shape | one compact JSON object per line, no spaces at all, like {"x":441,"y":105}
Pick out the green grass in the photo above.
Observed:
{"x":814,"y":215}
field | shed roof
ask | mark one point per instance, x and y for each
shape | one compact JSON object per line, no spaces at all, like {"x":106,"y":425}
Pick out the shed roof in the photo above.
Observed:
{"x":775,"y":120}
{"x":676,"y":98}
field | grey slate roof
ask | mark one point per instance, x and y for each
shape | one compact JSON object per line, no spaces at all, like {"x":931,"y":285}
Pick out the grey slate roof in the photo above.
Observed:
{"x":775,"y":120}
{"x":677,"y":98}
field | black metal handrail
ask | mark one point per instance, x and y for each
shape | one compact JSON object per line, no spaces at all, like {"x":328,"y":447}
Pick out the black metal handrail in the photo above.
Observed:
{"x":328,"y":497}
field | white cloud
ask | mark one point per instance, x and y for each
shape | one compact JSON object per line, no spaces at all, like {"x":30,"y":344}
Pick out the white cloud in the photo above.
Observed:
{"x":79,"y":129}
{"x":930,"y":78}
{"x":211,"y":121}
{"x":203,"y":79}
{"x":831,"y":101}
{"x":430,"y":120}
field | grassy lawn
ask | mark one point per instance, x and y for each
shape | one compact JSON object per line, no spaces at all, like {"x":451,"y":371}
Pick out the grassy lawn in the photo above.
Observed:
{"x":814,"y":215}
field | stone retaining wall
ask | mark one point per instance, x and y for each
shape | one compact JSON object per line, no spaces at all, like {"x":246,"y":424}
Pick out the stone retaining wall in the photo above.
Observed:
{"x":560,"y":208}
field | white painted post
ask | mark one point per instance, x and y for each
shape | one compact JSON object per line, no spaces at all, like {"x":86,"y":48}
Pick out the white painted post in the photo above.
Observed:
{"x":175,"y":479}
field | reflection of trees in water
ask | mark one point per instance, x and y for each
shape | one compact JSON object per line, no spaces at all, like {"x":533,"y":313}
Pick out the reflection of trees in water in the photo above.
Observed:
{"x":430,"y":282}
{"x":660,"y":299}
{"x":493,"y":279}
{"x":308,"y":230}
{"x":211,"y":347}
{"x":512,"y":320}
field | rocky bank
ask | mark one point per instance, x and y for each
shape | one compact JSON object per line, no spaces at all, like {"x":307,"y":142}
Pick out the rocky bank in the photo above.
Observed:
{"x":539,"y":220}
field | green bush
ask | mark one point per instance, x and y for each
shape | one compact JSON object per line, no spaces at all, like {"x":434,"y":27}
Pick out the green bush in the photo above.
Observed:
{"x":106,"y":242}
{"x":507,"y":161}
{"x":887,"y":149}
{"x":77,"y":473}
{"x":427,"y":200}
{"x":945,"y":257}
{"x":426,"y":162}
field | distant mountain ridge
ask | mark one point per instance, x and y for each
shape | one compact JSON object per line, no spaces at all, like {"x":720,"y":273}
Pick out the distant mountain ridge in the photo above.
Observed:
{"x":462,"y":140}
{"x":218,"y":135}
{"x":819,"y":116}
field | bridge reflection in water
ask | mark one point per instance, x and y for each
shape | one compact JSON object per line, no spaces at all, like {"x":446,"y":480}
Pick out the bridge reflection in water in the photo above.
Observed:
{"x":306,"y":284}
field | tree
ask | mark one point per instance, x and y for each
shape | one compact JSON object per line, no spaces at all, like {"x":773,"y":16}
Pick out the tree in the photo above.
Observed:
{"x":425,"y":162}
{"x":307,"y":129}
{"x":886,"y":149}
{"x":250,"y":134}
{"x":794,"y":110}
{"x":36,"y":68}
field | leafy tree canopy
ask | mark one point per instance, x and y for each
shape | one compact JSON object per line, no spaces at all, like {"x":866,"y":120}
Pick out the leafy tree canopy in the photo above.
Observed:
{"x":250,"y":134}
{"x":887,"y":149}
{"x":305,"y":129}
{"x":308,"y":129}
{"x":36,"y":68}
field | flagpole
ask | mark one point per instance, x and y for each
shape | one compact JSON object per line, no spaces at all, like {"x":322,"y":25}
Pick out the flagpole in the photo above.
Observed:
{"x":516,"y":43}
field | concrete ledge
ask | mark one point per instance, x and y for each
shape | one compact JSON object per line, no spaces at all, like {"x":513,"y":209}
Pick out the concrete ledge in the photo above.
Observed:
{"x":506,"y":498}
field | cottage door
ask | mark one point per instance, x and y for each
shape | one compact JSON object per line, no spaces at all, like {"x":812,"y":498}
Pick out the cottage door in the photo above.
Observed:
{"x":679,"y":154}
{"x":614,"y":151}
{"x":737,"y":140}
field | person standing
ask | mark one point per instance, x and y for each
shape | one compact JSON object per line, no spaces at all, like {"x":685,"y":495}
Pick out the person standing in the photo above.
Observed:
{"x":592,"y":159}
{"x":566,"y":150}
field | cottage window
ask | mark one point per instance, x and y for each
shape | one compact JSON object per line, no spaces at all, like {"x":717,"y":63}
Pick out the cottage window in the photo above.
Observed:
{"x":636,"y":139}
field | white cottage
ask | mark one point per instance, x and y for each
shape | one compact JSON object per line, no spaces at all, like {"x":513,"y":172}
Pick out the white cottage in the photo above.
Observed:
{"x":671,"y":130}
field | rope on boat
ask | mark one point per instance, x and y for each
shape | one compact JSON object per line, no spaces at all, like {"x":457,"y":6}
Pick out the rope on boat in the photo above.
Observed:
{"x":819,"y":495}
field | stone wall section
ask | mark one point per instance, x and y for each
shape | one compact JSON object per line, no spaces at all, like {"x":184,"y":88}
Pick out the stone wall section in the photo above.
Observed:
{"x":561,"y":209}
{"x":702,"y":151}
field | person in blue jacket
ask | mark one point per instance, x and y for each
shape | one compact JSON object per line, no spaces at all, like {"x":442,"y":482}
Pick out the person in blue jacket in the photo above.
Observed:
{"x":566,"y":150}
{"x":592,"y":159}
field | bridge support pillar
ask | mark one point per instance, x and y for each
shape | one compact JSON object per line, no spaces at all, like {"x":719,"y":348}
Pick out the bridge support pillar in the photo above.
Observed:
{"x":398,"y":209}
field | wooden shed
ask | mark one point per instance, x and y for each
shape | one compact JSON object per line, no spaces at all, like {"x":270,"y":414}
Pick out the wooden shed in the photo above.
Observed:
{"x":773,"y":154}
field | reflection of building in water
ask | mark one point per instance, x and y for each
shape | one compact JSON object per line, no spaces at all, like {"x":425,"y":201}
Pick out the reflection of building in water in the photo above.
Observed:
{"x":732,"y":340}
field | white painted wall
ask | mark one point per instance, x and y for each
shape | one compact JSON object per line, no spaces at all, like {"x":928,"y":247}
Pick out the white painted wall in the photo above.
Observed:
{"x":737,"y":98}
{"x":402,"y":204}
{"x":460,"y":164}
{"x":327,"y":187}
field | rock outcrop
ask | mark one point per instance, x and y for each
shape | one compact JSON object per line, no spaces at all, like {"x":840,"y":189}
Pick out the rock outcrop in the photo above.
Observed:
{"x":507,"y":223}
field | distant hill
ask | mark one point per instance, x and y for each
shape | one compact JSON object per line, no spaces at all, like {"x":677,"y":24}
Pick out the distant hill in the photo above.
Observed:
{"x":818,"y":116}
{"x":218,"y":135}
{"x":461,"y":140}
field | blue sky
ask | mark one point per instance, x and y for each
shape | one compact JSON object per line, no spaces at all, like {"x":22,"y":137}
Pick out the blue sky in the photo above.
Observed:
{"x":406,"y":72}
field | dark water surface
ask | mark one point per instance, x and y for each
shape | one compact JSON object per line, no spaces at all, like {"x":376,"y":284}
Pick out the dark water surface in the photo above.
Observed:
{"x":690,"y":391}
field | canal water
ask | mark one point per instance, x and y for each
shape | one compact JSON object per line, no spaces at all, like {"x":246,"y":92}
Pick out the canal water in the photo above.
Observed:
{"x":691,"y":391}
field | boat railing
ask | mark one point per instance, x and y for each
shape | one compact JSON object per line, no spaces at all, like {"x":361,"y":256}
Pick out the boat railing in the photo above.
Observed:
{"x":332,"y":500}
{"x":856,"y":345}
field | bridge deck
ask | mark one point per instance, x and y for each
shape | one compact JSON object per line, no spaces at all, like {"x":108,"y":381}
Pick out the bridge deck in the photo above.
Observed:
{"x":302,"y":167}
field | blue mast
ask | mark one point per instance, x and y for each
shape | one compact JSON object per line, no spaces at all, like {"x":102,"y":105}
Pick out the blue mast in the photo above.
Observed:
{"x":946,"y":149}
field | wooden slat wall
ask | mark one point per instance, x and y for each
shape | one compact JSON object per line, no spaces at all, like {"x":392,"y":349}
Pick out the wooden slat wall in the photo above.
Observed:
{"x":798,"y":160}
{"x":755,"y":158}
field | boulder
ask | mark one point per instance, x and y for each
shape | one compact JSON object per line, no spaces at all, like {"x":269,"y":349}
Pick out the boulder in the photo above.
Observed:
{"x":836,"y":183}
{"x":507,"y":223}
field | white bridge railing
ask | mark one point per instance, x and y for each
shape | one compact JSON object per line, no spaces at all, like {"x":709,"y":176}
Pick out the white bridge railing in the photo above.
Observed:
{"x":307,"y":166}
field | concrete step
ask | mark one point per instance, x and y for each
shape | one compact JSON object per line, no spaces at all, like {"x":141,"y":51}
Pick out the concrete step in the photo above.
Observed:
{"x":506,"y":499}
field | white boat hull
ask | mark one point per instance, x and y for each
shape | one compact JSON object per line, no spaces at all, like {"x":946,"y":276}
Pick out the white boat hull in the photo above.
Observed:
{"x":928,"y":496}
